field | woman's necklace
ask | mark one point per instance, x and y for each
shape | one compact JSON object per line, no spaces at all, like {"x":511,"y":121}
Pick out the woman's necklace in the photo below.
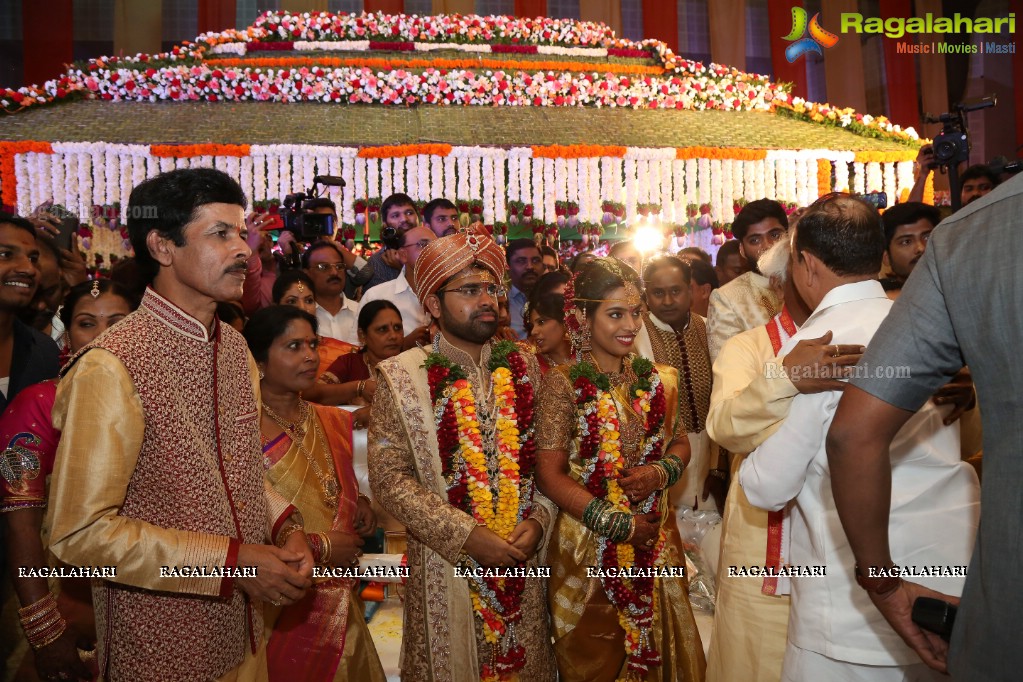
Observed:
{"x":552,"y":361}
{"x":369,"y":365}
{"x":296,"y":432}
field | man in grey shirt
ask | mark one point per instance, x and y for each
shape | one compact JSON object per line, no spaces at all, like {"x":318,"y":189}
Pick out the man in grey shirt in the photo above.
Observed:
{"x":961,"y":305}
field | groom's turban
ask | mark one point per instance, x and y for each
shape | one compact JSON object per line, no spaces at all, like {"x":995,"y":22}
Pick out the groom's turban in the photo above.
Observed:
{"x":445,"y":257}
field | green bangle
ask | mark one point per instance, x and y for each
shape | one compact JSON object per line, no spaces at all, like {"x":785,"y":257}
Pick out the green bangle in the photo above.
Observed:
{"x":596,"y":507}
{"x":674,"y":466}
{"x":618,"y":526}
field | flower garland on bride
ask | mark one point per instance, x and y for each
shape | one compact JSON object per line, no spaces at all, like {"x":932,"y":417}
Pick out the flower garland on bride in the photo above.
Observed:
{"x":499,"y":502}
{"x":600,"y":450}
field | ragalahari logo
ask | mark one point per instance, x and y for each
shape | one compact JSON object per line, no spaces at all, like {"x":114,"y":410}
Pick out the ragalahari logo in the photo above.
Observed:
{"x":817,"y":39}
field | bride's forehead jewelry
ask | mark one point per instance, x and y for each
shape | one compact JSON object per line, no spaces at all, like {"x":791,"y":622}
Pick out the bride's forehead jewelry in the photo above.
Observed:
{"x":631,"y":298}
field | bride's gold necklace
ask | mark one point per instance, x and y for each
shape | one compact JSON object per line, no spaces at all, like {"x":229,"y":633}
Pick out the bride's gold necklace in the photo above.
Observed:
{"x":296,"y":432}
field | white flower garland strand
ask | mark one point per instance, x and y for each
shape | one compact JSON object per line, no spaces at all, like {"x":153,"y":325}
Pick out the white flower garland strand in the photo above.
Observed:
{"x":631,"y":189}
{"x":513,"y":177}
{"x":487,"y":172}
{"x":859,"y":178}
{"x":678,"y":192}
{"x":475,"y":188}
{"x":692,"y":181}
{"x":905,"y":178}
{"x":548,"y":181}
{"x":449,"y":186}
{"x":82,"y":174}
{"x":386,"y":178}
{"x":500,"y":189}
{"x":875,"y":178}
{"x":525,"y":176}
{"x":57,"y":178}
{"x":462,"y":169}
{"x":593,"y":214}
{"x":373,"y":179}
{"x":890,"y":185}
{"x":537,"y":189}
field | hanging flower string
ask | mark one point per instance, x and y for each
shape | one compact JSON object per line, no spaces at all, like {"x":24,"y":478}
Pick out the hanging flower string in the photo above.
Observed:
{"x":600,"y":450}
{"x":500,"y":505}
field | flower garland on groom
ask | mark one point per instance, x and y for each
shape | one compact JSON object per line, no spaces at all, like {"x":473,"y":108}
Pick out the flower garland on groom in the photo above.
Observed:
{"x":451,"y":456}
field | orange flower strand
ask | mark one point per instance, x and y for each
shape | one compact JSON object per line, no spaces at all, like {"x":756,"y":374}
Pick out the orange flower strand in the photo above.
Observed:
{"x":9,"y":183}
{"x":186,"y":151}
{"x":823,"y":177}
{"x":394,"y":151}
{"x":886,"y":157}
{"x":732,"y":153}
{"x":577,"y":151}
{"x":382,"y":63}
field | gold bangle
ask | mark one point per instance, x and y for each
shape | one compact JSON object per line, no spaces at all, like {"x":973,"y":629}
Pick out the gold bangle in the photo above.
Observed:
{"x":287,"y":532}
{"x":362,"y":385}
{"x":327,"y":549}
{"x":35,"y":607}
{"x":51,"y":618}
{"x":50,"y":639}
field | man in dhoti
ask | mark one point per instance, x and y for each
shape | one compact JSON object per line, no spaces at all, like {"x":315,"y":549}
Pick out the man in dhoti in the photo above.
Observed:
{"x":747,"y":405}
{"x":451,"y":457}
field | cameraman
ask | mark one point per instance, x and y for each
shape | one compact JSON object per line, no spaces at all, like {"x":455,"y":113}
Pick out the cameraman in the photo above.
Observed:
{"x":974,"y":182}
{"x":357,"y":273}
{"x":263,"y":264}
{"x":400,"y":215}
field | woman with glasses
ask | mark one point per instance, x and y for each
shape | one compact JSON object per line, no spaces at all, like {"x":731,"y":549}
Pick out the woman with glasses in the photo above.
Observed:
{"x":307,"y":454}
{"x":609,"y":445}
{"x":380,"y":332}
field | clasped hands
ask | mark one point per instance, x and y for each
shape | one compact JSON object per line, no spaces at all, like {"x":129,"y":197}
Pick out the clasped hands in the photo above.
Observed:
{"x":490,"y":550}
{"x":283,"y":574}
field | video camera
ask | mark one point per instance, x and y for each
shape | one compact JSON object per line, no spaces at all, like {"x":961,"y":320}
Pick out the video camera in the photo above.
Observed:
{"x":1002,"y":165}
{"x":952,"y":145}
{"x":300,"y":218}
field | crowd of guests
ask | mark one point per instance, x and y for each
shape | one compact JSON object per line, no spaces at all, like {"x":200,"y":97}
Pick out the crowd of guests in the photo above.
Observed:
{"x":536,"y":426}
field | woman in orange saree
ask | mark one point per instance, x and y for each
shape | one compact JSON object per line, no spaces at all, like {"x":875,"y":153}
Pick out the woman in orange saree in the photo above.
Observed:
{"x":308,"y":459}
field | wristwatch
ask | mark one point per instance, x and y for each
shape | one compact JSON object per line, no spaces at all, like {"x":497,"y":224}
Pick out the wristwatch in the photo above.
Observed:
{"x":879,"y":585}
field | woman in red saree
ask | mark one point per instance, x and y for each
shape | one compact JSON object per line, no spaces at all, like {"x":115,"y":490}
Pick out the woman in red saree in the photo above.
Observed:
{"x":30,"y":447}
{"x":308,"y":459}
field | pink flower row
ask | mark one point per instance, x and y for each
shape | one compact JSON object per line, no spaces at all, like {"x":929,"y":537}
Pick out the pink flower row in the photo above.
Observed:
{"x":278,"y":26}
{"x":352,"y":85}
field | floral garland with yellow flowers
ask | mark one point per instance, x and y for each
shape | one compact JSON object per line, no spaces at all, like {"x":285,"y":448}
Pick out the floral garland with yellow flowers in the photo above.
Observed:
{"x":499,"y":504}
{"x":600,"y":450}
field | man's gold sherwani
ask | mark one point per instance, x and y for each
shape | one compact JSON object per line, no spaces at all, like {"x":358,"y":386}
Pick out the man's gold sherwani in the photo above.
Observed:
{"x":442,"y":639}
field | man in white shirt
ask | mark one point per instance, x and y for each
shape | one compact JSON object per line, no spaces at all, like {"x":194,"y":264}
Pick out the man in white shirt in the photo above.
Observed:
{"x":834,"y":631}
{"x":337,"y":314}
{"x":414,"y":318}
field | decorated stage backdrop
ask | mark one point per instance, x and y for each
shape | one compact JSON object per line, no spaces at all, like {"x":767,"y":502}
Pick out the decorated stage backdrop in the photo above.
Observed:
{"x":461,"y":62}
